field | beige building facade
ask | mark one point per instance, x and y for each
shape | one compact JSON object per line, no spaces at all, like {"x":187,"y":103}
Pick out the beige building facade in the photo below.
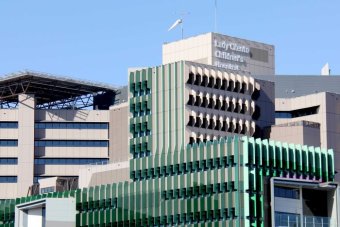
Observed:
{"x":38,"y":143}
{"x":311,"y":120}
{"x":233,"y":54}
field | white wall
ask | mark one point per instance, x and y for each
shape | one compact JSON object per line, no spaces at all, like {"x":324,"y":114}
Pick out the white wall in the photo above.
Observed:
{"x":34,"y":218}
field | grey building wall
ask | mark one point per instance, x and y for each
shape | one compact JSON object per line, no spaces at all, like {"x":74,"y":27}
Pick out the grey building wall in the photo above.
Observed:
{"x":266,"y":104}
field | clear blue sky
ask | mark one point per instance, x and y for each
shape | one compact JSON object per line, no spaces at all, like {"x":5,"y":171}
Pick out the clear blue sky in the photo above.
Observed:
{"x":99,"y":40}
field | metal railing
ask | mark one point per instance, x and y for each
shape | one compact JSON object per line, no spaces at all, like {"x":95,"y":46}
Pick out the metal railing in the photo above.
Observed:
{"x":293,"y":220}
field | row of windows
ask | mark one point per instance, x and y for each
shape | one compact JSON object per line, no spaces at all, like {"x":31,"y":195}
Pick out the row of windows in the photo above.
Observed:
{"x":141,"y":154}
{"x":91,"y":206}
{"x":8,"y":161}
{"x":182,"y":219}
{"x":141,"y":113}
{"x":140,"y":109}
{"x":71,"y":125}
{"x":47,"y":190}
{"x":69,"y":161}
{"x":140,"y":88}
{"x":8,"y":179}
{"x":183,"y":168}
{"x":139,"y":148}
{"x":9,"y":124}
{"x":71,"y":143}
{"x":211,"y":82}
{"x":284,"y":192}
{"x":142,"y":133}
{"x":142,"y":92}
{"x":217,"y":104}
{"x":36,"y":178}
{"x":8,"y":143}
{"x":198,"y":191}
{"x":216,"y":125}
{"x":140,"y":129}
{"x":289,"y":219}
{"x":297,"y":113}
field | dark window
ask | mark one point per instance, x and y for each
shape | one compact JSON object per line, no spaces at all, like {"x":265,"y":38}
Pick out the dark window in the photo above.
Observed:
{"x":8,"y":179}
{"x":8,"y":124}
{"x":8,"y":143}
{"x":284,"y":192}
{"x":71,"y":125}
{"x":69,"y":161}
{"x":297,"y":113}
{"x":71,"y":143}
{"x":8,"y":161}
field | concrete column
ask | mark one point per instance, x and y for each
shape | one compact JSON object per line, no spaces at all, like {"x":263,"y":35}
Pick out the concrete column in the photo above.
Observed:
{"x":119,"y":133}
{"x":25,"y":143}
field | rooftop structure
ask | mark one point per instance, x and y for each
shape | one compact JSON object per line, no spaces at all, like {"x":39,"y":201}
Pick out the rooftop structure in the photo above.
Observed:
{"x":291,"y":86}
{"x":52,"y":91}
{"x":225,"y":52}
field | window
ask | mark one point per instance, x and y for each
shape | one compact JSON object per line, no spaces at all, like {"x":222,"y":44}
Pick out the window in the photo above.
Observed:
{"x":71,"y":125}
{"x":8,"y":161}
{"x":297,"y":113}
{"x":71,"y":143}
{"x":287,"y":219}
{"x":8,"y":124}
{"x":8,"y":179}
{"x":46,"y":190}
{"x":8,"y":143}
{"x":285,"y":192}
{"x":69,"y":161}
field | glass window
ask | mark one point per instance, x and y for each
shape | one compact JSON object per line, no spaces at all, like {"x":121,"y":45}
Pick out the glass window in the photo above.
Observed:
{"x":68,"y":143}
{"x":9,"y":124}
{"x":69,"y":125}
{"x":286,"y":219}
{"x":69,"y":161}
{"x":8,"y":143}
{"x":285,"y":192}
{"x":8,"y":179}
{"x":8,"y":161}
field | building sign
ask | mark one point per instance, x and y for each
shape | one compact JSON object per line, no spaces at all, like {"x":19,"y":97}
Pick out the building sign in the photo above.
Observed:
{"x":230,"y":55}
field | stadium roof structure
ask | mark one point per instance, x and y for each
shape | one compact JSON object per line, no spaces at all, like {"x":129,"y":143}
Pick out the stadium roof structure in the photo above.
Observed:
{"x":49,"y":90}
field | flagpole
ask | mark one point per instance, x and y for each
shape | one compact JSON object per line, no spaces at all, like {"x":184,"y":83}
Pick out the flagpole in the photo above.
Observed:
{"x":215,"y":16}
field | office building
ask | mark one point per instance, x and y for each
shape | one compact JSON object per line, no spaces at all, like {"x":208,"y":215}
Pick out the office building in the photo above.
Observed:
{"x":185,"y":102}
{"x":51,"y":126}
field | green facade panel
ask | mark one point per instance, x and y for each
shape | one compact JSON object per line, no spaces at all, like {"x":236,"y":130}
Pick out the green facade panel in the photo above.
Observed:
{"x":217,"y":183}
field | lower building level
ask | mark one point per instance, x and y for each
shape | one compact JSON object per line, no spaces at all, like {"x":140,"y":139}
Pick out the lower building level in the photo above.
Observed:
{"x":230,"y":182}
